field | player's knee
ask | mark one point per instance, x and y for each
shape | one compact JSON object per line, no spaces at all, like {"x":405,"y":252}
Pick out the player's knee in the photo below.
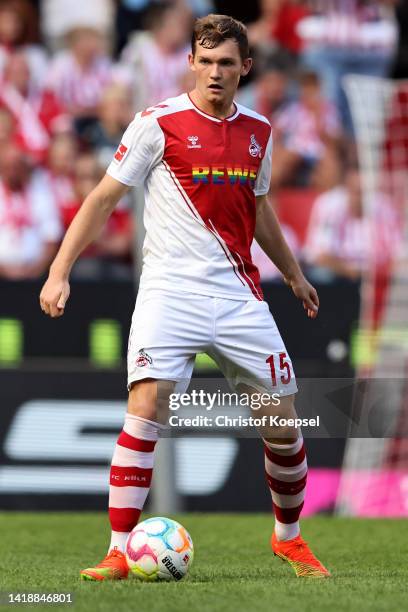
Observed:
{"x":149,"y":399}
{"x":143,"y":399}
{"x":286,"y":406}
{"x":281,"y":428}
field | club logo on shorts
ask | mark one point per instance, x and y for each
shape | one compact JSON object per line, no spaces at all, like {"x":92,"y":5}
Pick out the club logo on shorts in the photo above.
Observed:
{"x":143,"y":359}
{"x":121,"y":152}
{"x":255,"y":148}
{"x":194,"y":144}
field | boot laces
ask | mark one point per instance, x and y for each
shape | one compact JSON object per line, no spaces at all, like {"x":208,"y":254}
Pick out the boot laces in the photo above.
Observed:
{"x":301,"y":548}
{"x":115,"y":552}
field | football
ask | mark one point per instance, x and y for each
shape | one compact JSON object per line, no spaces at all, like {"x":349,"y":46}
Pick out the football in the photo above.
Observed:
{"x":159,"y":549}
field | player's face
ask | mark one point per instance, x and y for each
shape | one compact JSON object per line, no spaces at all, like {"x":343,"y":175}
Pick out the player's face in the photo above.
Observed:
{"x":218,"y":71}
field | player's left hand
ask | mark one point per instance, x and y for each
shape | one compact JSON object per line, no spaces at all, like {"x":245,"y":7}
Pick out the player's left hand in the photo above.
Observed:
{"x":307,"y":293}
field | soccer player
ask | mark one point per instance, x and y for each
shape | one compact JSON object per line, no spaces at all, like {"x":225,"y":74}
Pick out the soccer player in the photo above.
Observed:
{"x":205,"y":163}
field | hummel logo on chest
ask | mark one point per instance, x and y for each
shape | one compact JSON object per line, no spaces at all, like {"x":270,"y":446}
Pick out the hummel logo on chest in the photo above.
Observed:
{"x":194,"y":144}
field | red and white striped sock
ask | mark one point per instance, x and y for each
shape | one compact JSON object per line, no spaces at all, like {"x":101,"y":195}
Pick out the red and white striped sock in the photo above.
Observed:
{"x":286,"y":473}
{"x":130,"y":476}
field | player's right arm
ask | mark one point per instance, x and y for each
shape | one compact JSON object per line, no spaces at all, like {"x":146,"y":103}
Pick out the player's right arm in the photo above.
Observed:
{"x":140,"y":150}
{"x":83,"y":230}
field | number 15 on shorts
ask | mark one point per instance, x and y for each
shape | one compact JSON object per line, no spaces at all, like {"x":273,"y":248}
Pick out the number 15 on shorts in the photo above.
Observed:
{"x":280,"y":359}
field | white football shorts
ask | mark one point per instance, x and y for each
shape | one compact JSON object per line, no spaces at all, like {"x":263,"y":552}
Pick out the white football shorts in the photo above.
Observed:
{"x":169,"y":329}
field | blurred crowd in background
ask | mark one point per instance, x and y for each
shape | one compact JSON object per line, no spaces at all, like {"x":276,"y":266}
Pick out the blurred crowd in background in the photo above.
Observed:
{"x":72,"y":75}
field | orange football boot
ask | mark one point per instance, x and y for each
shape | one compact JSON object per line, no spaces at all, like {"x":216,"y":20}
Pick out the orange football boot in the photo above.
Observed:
{"x":298,"y":554}
{"x":113,"y":567}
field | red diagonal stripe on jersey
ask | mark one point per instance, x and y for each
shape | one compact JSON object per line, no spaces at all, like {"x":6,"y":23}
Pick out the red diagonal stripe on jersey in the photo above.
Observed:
{"x":238,"y":264}
{"x":121,"y":476}
{"x":286,"y":460}
{"x":286,"y":488}
{"x":124,"y":519}
{"x":233,"y":264}
{"x":287,"y":515}
{"x":242,"y":271}
{"x":196,"y":215}
{"x":136,"y":444}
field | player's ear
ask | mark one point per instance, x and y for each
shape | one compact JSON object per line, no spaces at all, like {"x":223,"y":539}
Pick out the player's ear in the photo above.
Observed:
{"x":246,"y":66}
{"x":191,"y":61}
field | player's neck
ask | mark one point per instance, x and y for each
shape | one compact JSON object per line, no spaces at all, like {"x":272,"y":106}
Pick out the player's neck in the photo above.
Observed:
{"x":221,"y":111}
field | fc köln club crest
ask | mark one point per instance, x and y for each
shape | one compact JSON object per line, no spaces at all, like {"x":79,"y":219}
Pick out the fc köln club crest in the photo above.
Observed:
{"x":255,"y":148}
{"x":143,"y":359}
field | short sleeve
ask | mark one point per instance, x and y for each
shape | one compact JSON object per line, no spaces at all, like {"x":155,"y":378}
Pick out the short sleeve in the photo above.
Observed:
{"x":141,"y":149}
{"x":263,"y":180}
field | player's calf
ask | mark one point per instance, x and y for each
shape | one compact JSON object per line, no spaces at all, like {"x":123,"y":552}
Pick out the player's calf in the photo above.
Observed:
{"x":286,"y":474}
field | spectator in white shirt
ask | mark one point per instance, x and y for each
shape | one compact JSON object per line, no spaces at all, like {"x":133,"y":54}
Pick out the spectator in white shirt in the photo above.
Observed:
{"x":307,"y":139}
{"x":343,"y":238}
{"x":158,"y":57}
{"x":58,"y":17}
{"x":269,"y":93}
{"x":115,"y":112}
{"x":36,"y":111}
{"x":80,"y":74}
{"x":348,"y":37}
{"x":29,"y":223}
{"x":18,"y":32}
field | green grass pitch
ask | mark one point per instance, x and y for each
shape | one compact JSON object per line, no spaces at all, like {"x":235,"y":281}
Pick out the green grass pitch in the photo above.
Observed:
{"x":233,"y":570}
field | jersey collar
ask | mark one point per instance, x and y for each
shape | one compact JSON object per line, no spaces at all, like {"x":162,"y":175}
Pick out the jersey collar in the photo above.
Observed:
{"x":212,"y":117}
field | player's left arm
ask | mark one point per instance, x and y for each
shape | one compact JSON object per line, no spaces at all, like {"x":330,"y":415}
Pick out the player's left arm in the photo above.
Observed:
{"x":270,"y":238}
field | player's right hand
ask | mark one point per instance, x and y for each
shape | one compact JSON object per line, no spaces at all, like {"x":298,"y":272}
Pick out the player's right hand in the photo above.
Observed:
{"x":54,"y":296}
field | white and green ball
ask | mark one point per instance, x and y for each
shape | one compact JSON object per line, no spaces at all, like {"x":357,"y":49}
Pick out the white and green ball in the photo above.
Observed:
{"x":159,"y":549}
